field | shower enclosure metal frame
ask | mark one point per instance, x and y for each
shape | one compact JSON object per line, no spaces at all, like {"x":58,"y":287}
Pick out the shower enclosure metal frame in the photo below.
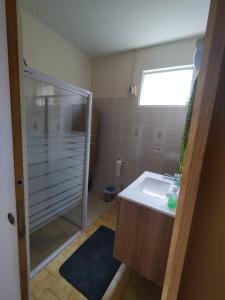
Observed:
{"x":36,"y":75}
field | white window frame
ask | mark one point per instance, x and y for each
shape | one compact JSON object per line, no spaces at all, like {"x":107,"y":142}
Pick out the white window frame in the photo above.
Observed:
{"x":160,"y":70}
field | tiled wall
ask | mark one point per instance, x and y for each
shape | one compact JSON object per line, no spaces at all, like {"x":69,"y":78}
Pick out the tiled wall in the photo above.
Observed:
{"x":130,"y":133}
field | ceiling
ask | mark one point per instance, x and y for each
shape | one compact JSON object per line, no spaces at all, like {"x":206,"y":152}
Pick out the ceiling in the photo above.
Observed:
{"x":99,"y":27}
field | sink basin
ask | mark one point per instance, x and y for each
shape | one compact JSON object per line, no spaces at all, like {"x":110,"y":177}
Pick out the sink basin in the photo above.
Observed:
{"x":153,"y":187}
{"x":150,"y":190}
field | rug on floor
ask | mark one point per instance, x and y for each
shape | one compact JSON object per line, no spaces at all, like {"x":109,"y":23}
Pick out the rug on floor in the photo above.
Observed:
{"x":91,"y":268}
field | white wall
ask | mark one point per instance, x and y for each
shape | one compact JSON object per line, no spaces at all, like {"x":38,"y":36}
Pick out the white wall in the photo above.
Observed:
{"x":112,"y":75}
{"x":49,"y":53}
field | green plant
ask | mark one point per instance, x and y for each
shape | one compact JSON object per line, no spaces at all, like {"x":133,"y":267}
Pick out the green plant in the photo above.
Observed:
{"x":184,"y":140}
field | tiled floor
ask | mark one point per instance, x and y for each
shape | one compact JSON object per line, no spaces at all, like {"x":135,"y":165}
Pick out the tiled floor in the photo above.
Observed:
{"x":126,"y":285}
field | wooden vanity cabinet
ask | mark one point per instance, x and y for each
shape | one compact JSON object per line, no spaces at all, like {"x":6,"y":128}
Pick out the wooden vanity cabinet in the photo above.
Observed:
{"x":142,"y":240}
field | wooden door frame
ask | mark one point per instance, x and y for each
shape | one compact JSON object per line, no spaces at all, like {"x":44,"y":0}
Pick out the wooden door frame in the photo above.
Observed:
{"x":14,"y":81}
{"x":209,"y":78}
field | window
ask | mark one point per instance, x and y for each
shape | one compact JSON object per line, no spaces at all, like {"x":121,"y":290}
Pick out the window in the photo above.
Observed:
{"x":169,"y":87}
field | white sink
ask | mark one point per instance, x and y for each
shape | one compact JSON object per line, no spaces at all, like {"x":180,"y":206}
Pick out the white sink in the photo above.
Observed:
{"x":153,"y":187}
{"x":150,"y":190}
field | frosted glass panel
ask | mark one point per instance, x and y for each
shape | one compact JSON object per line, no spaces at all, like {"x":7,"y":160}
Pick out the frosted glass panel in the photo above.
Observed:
{"x":56,"y":142}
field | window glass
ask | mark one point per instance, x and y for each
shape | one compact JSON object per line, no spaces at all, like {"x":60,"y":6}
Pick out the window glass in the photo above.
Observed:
{"x":166,"y":86}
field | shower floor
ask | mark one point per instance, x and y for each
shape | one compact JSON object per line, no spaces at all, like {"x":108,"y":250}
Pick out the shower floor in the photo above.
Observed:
{"x":49,"y":238}
{"x":96,"y":207}
{"x":45,"y":240}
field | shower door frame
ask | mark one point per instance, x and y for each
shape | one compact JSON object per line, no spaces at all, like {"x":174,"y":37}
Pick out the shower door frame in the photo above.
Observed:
{"x":39,"y":76}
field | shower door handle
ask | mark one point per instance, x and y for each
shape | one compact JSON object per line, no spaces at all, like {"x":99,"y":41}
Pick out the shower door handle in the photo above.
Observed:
{"x":21,"y":220}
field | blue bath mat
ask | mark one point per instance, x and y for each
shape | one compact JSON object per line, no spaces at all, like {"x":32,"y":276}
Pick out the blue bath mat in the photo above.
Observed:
{"x":91,"y":268}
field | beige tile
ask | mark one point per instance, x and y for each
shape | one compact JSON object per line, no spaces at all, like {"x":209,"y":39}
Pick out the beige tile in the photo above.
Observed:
{"x":75,"y":295}
{"x":48,"y":295}
{"x":67,"y":253}
{"x":40,"y":283}
{"x":60,"y":287}
{"x":91,"y":229}
{"x":32,"y":297}
{"x":104,"y":222}
{"x":82,"y":238}
{"x":112,"y":211}
{"x":70,"y":249}
{"x":111,"y":217}
{"x":99,"y":222}
{"x":53,"y":266}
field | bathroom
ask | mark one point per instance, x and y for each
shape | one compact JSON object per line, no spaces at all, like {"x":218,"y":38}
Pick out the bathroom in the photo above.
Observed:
{"x":98,"y":115}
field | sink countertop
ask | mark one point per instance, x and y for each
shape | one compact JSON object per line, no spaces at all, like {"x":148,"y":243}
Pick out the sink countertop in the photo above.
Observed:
{"x":150,"y":190}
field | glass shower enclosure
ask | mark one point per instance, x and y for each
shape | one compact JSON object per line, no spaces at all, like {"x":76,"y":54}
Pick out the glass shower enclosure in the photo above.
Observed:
{"x":57,"y":138}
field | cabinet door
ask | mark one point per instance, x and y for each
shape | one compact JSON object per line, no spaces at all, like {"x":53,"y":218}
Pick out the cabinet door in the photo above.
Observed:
{"x":143,"y":239}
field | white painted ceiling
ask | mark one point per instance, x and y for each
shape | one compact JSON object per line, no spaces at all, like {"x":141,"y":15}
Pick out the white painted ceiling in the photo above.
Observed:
{"x":99,"y":27}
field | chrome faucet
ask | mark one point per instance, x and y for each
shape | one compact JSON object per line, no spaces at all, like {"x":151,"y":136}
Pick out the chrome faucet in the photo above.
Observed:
{"x":169,"y":176}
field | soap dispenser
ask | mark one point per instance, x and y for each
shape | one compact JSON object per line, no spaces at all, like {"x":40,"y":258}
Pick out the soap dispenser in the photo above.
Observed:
{"x":172,"y":198}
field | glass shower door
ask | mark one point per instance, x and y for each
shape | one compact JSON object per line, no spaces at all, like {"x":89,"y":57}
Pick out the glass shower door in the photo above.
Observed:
{"x":56,"y":137}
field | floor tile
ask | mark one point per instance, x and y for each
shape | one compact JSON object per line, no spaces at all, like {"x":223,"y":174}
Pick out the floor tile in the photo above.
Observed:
{"x":75,"y":295}
{"x":48,"y":295}
{"x":40,"y":283}
{"x":126,"y":284}
{"x":53,"y":266}
{"x":33,"y":298}
{"x":60,"y":287}
{"x":91,"y":229}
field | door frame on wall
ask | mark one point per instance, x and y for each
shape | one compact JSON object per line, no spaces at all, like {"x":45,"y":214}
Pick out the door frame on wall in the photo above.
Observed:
{"x":15,"y":92}
{"x":214,"y":53}
{"x":39,"y":76}
{"x":203,"y":111}
{"x":15,"y":97}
